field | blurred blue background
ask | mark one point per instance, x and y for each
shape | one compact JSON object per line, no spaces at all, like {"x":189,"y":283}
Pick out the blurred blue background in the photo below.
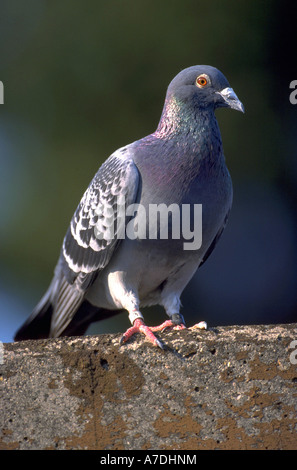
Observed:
{"x":82,"y":79}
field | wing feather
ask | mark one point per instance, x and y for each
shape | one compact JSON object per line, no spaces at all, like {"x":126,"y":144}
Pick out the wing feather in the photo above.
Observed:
{"x":94,"y":233}
{"x":94,"y":229}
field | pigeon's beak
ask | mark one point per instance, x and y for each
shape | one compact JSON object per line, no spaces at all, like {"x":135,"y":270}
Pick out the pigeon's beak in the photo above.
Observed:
{"x":230,"y":99}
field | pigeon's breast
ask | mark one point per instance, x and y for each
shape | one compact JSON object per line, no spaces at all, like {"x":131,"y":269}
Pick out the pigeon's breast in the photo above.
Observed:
{"x":184,"y":190}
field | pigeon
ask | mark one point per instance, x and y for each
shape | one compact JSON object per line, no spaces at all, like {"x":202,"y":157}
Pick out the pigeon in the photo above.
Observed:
{"x":152,"y":215}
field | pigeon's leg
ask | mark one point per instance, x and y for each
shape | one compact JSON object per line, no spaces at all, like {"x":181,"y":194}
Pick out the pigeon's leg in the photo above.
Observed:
{"x":172,"y":306}
{"x":125,"y":296}
{"x":171,"y":303}
{"x":176,"y":322}
{"x":171,"y":298}
{"x":140,"y":327}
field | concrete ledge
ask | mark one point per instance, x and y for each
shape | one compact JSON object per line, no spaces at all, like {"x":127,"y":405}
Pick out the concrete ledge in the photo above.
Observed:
{"x":226,"y":388}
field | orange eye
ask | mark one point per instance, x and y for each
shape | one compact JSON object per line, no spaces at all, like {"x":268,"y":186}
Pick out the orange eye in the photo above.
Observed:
{"x":201,"y":81}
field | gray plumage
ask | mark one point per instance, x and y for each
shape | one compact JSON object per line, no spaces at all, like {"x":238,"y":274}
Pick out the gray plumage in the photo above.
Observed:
{"x":101,"y":271}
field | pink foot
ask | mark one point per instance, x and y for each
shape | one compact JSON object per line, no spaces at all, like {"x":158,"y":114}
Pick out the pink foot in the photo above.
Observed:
{"x":199,"y":326}
{"x":168,"y":324}
{"x":140,"y":327}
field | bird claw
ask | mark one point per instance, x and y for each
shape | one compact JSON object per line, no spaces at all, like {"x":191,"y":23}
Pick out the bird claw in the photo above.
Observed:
{"x":140,"y":327}
{"x":167,"y":325}
{"x":202,"y":325}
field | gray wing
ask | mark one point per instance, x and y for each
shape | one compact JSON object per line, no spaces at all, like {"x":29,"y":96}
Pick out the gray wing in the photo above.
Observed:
{"x":94,"y":233}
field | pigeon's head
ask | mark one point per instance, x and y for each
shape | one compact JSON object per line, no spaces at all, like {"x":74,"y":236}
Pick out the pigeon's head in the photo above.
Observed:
{"x":203,"y":86}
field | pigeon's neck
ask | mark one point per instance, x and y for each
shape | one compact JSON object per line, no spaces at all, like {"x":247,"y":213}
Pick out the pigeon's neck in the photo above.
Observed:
{"x":191,"y":126}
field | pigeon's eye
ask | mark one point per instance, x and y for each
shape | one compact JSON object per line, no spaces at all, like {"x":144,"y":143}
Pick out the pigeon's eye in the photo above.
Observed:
{"x":202,"y":81}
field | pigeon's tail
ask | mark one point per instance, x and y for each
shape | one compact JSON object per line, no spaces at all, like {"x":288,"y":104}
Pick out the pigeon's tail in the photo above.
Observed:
{"x":85,"y":315}
{"x":37,"y":326}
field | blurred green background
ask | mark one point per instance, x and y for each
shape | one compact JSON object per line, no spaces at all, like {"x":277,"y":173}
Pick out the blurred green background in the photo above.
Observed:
{"x":83,"y":78}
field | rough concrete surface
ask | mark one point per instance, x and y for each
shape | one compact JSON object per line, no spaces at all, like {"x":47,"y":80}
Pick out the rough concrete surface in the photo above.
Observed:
{"x":225,"y":388}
